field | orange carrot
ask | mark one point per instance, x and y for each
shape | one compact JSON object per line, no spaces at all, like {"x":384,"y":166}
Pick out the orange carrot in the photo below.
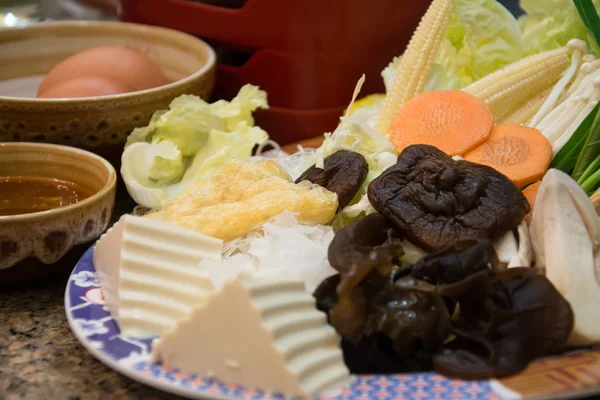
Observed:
{"x":451,"y":120}
{"x":522,"y":154}
{"x":530,"y":192}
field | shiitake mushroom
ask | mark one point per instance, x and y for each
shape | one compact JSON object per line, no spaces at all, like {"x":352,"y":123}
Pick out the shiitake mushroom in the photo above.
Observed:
{"x":435,"y":201}
{"x":343,"y":173}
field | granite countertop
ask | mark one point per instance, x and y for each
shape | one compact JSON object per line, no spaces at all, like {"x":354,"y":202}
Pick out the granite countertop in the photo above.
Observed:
{"x":40,"y":358}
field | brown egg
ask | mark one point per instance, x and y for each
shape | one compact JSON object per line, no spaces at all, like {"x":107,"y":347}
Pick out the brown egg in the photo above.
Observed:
{"x":87,"y":86}
{"x":131,"y":67}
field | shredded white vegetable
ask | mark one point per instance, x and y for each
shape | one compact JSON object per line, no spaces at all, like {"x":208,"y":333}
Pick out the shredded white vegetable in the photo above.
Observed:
{"x":281,"y":245}
{"x":276,"y":151}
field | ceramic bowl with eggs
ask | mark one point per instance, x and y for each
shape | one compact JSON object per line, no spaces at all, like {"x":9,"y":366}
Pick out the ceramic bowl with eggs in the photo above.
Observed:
{"x":52,"y":198}
{"x":88,"y":84}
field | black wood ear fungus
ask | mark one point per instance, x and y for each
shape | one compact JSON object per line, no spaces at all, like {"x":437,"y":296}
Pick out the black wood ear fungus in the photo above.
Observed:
{"x":367,"y":307}
{"x":435,"y":201}
{"x":506,"y":320}
{"x":344,"y":173}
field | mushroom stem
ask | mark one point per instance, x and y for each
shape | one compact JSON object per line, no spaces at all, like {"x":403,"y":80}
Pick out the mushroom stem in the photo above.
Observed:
{"x":587,"y":68}
{"x":515,"y":250}
{"x":565,"y":232}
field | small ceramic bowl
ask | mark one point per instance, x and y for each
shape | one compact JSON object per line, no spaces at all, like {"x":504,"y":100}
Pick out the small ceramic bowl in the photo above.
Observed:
{"x":98,"y":124}
{"x":45,"y":237}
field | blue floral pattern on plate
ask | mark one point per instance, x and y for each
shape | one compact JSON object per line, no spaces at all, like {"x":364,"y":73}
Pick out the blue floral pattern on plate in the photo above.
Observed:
{"x":94,"y":327}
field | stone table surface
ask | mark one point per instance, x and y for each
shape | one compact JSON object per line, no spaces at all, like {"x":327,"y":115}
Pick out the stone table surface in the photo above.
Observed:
{"x":40,"y":358}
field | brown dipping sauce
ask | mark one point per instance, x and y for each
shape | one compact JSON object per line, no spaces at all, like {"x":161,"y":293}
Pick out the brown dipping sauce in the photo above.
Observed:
{"x":28,"y":194}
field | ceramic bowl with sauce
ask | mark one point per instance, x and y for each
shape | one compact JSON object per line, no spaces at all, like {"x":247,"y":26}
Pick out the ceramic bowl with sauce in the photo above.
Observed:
{"x":99,"y":124}
{"x":52,"y":198}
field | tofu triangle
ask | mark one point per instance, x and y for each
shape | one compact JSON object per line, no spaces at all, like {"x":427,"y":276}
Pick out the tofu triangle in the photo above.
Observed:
{"x":150,"y":275}
{"x":259,"y":332}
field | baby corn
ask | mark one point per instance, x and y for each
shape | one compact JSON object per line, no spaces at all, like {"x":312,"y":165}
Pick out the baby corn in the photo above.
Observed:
{"x":508,"y":88}
{"x":526,"y":111}
{"x":417,"y":61}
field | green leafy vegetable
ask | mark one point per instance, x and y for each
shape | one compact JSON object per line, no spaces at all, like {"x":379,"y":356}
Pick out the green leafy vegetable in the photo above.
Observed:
{"x":589,"y":16}
{"x":240,"y":109}
{"x":223,"y":146}
{"x":589,"y":171}
{"x":592,"y":183}
{"x":586,"y":170}
{"x":486,"y":35}
{"x":187,"y":142}
{"x":567,"y":158}
{"x":591,"y":148}
{"x":550,"y":24}
{"x":168,"y":162}
{"x":141,"y":159}
{"x":186,"y":124}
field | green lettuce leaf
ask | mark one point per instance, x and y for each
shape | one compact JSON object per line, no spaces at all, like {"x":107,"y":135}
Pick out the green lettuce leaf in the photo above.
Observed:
{"x":550,"y":24}
{"x":187,"y":124}
{"x":491,"y":37}
{"x":543,"y":7}
{"x":224,"y":146}
{"x":355,"y":134}
{"x":168,"y":164}
{"x":189,"y":119}
{"x":144,"y":163}
{"x":144,"y":134}
{"x":187,"y":142}
{"x":249,"y":99}
{"x":137,"y":163}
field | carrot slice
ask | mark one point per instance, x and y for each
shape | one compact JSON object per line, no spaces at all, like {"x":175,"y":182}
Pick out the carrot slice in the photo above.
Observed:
{"x":530,"y":192}
{"x":451,"y":120}
{"x":522,"y":154}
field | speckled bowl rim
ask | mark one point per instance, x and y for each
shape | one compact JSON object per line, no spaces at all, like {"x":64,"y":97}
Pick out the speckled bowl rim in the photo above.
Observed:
{"x":125,"y":27}
{"x":56,"y":212}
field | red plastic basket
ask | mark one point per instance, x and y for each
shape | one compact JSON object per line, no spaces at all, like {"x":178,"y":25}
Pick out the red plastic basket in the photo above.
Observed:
{"x":307,"y":54}
{"x":308,"y":82}
{"x":296,"y":26}
{"x":287,"y":125}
